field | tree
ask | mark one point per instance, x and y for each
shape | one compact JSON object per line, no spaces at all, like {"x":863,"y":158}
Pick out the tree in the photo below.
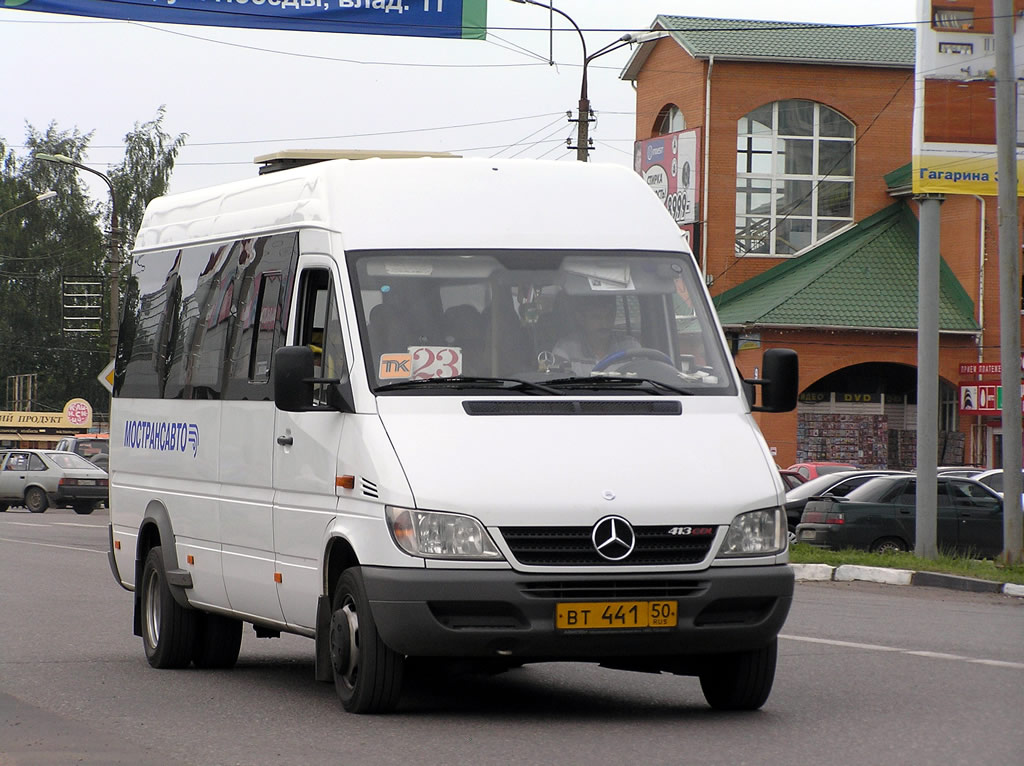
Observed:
{"x":42,"y":244}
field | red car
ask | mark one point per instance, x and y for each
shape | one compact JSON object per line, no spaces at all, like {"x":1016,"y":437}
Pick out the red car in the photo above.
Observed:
{"x":791,"y":478}
{"x":813,"y":470}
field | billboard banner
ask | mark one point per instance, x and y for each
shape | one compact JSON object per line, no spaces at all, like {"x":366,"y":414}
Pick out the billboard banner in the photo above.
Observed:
{"x":671,"y":166}
{"x":76,"y":417}
{"x":954,"y":143}
{"x":413,"y":18}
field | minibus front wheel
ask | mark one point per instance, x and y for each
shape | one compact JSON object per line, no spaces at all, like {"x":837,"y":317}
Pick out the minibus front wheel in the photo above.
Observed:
{"x":739,"y":681}
{"x":367,"y":673}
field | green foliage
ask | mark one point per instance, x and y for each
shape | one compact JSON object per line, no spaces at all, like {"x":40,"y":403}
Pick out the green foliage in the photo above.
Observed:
{"x":43,"y":243}
{"x":983,"y":569}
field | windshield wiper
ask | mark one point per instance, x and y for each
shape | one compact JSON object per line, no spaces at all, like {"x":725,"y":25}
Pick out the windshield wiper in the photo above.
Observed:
{"x":468,"y":381}
{"x":609,"y":381}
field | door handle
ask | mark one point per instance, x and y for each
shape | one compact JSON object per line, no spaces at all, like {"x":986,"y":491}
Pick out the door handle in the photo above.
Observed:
{"x":284,"y":441}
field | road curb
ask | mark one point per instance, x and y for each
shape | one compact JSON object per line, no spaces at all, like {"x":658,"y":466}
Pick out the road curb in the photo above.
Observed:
{"x":851,"y":572}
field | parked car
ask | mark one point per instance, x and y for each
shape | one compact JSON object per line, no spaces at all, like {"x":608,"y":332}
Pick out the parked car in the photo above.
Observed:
{"x":791,"y":479}
{"x":837,"y":484}
{"x":993,"y":479}
{"x":39,"y":479}
{"x":814,"y":469}
{"x":93,"y":447}
{"x":963,"y":471}
{"x":880,"y":516}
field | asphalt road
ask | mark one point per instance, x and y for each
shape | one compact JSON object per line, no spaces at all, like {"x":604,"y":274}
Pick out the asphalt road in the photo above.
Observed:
{"x":868,"y":674}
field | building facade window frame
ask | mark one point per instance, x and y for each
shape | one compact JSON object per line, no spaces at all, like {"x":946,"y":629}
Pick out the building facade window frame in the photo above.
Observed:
{"x":670,"y":120}
{"x":794,"y":177}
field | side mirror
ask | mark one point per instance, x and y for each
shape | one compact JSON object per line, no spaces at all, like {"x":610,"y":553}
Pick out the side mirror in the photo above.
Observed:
{"x":779,"y":381}
{"x":293,"y":374}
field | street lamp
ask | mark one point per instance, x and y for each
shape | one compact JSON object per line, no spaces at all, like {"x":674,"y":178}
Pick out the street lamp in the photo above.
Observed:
{"x":584,"y":118}
{"x":48,"y":194}
{"x":114,"y":259}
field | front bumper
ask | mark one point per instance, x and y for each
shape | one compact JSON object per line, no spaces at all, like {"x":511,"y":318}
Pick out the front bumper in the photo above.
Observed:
{"x":500,"y":613}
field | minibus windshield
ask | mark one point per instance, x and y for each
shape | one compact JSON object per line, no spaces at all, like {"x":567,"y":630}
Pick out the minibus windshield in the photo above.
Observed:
{"x":574,"y":321}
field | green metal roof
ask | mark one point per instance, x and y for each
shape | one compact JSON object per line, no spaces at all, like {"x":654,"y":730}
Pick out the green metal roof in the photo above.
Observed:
{"x":899,"y":181}
{"x":784,"y":41}
{"x":865,"y":278}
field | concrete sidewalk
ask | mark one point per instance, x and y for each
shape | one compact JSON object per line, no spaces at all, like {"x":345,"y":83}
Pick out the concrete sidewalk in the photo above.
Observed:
{"x":850,"y":572}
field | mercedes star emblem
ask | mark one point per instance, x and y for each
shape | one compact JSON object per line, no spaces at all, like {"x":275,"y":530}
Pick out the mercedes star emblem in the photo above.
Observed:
{"x":613,"y":538}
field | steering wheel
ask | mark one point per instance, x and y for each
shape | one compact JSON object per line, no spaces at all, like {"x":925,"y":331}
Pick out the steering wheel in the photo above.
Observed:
{"x":618,"y":357}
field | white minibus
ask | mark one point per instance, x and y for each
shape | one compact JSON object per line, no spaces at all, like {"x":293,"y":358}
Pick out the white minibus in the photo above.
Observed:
{"x":426,"y":410}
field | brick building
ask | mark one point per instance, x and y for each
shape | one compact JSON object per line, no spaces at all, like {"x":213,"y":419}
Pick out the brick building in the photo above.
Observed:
{"x":807,"y":231}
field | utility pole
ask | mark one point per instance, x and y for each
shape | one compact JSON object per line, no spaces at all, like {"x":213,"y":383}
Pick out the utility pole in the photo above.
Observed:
{"x":1009,"y":278}
{"x":113,"y":250}
{"x":584,"y":116}
{"x":926,"y":520}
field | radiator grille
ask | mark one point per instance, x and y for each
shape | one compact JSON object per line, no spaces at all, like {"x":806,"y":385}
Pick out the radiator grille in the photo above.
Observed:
{"x":572,"y":546}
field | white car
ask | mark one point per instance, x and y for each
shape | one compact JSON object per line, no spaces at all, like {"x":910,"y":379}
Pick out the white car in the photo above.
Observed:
{"x":993,"y":479}
{"x":39,"y":479}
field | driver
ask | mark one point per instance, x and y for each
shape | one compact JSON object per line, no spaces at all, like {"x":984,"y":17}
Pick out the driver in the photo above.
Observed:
{"x":593,"y":335}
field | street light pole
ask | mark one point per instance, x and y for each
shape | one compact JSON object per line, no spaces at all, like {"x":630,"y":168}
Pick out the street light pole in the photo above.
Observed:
{"x":583,"y":117}
{"x":113,"y":258}
{"x":48,"y":194}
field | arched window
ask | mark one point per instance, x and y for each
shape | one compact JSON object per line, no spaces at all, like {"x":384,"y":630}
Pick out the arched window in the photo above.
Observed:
{"x":670,"y":120}
{"x":794,"y":177}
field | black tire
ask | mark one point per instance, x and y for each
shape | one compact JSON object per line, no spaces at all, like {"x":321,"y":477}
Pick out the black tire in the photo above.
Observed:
{"x":168,"y":628}
{"x":84,"y":509}
{"x":4,"y":507}
{"x":889,"y":545}
{"x":740,"y":681}
{"x":36,"y":500}
{"x":217,"y":642}
{"x":367,"y":673}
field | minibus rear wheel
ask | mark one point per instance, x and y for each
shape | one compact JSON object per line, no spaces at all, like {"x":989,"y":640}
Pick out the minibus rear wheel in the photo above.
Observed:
{"x":367,"y":673}
{"x":168,"y":628}
{"x":740,"y":681}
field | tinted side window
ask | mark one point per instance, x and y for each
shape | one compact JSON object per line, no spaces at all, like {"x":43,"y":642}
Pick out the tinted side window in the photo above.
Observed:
{"x":189,"y":313}
{"x":995,"y":481}
{"x":319,"y":327}
{"x":843,"y":488}
{"x":147,"y":325}
{"x":35,"y":463}
{"x":260,"y":315}
{"x":971,"y":495}
{"x":900,"y":493}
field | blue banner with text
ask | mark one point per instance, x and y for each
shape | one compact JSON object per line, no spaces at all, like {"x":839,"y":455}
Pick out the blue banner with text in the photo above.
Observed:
{"x":414,"y":18}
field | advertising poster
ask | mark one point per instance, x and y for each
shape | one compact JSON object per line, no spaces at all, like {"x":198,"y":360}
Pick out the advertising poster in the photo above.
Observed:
{"x":954,"y":145}
{"x":671,"y":166}
{"x":416,"y":18}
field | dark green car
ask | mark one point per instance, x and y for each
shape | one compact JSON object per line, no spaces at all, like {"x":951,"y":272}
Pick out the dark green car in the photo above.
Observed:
{"x":880,"y":516}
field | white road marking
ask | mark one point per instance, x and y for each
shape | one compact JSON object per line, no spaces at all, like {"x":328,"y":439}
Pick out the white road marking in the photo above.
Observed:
{"x":75,"y":524}
{"x":912,"y":652}
{"x":51,"y":545}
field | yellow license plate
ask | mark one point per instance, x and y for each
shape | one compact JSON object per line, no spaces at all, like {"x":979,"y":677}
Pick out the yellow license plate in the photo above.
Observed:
{"x":598,"y":615}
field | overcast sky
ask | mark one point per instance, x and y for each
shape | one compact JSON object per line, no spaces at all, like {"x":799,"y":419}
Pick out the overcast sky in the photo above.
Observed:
{"x":242,"y":93}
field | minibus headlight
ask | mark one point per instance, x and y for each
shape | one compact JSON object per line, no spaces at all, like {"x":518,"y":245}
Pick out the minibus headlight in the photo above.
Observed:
{"x":756,"y":533}
{"x":440,"y":535}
